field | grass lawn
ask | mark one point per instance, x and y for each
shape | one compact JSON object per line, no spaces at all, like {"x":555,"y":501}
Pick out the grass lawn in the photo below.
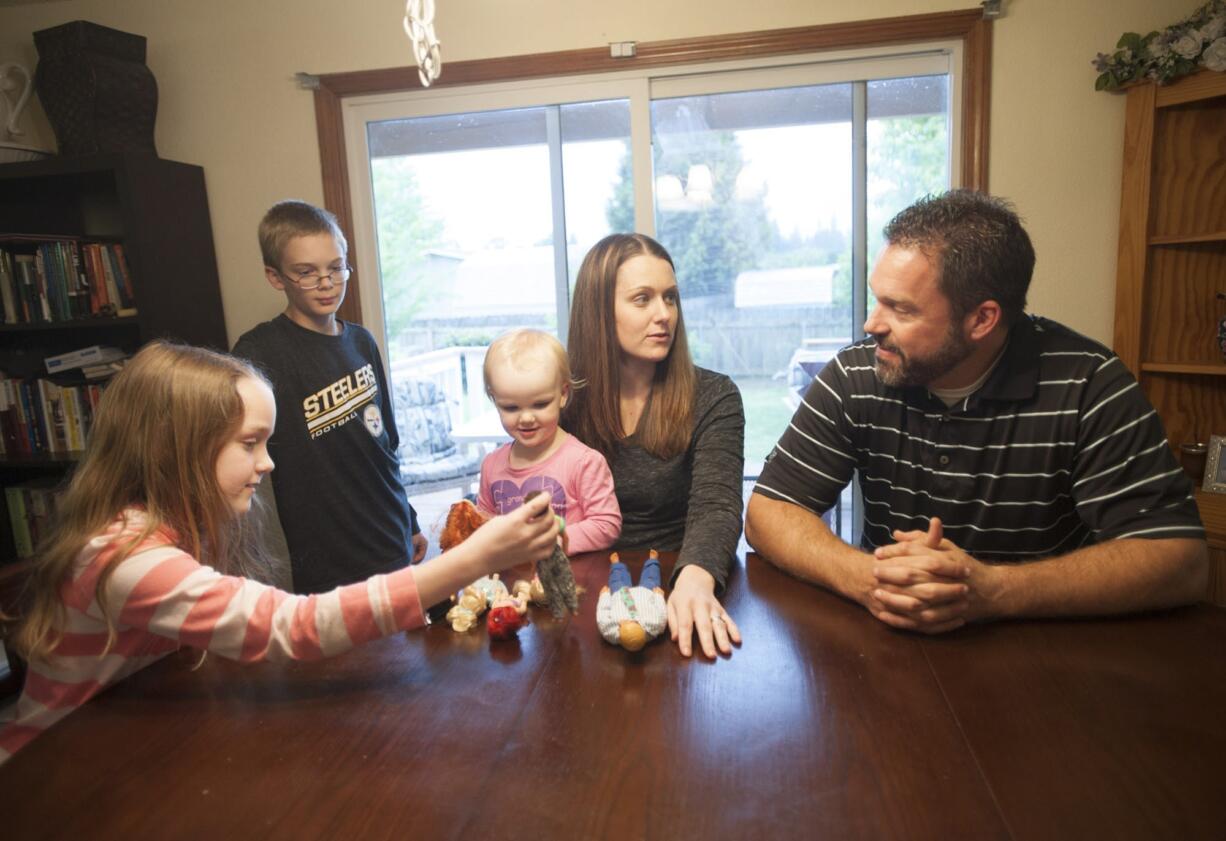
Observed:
{"x":766,"y":414}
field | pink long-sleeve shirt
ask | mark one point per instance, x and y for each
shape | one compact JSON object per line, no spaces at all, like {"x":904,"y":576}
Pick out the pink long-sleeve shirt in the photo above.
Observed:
{"x":580,"y":485}
{"x":161,"y":598}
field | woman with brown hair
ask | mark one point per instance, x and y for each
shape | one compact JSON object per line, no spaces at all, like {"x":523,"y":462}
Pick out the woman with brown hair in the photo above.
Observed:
{"x":673,"y":433}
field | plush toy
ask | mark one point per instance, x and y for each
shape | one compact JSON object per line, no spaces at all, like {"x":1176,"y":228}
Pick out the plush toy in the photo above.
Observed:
{"x":553,"y":585}
{"x":506,"y":617}
{"x":557,"y":578}
{"x":632,"y":616}
{"x":463,"y":519}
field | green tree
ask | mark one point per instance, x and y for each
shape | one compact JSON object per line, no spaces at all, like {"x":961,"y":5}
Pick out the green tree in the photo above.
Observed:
{"x":908,"y":158}
{"x":405,"y":231}
{"x":710,"y":244}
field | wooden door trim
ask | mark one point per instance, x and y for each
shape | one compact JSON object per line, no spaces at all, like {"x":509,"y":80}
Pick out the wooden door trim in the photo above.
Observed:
{"x":967,"y":25}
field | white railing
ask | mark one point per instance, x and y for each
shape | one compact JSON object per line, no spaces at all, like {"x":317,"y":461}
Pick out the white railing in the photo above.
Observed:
{"x":455,"y":371}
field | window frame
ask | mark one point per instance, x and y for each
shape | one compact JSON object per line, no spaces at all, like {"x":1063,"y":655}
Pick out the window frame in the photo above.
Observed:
{"x":969,"y":27}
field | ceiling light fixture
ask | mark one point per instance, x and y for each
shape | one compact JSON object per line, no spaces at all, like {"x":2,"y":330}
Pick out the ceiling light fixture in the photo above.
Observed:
{"x":419,"y":26}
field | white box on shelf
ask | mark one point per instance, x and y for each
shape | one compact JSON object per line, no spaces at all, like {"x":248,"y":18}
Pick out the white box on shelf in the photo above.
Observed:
{"x":92,"y":355}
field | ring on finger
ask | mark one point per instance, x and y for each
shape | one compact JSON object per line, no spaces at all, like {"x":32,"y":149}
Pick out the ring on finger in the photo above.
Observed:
{"x":715,"y":617}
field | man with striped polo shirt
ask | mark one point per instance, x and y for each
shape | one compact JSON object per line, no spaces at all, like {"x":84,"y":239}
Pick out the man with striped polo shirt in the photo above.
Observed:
{"x":1009,"y":466}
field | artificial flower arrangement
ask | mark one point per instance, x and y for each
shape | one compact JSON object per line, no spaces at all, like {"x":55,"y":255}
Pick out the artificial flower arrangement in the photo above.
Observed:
{"x":1197,"y":41}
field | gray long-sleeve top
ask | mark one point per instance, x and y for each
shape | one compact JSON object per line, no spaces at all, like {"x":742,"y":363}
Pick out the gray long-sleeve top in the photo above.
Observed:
{"x":692,"y":501}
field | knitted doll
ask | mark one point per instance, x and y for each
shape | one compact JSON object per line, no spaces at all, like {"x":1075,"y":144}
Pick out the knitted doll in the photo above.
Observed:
{"x":632,"y":616}
{"x":556,"y":576}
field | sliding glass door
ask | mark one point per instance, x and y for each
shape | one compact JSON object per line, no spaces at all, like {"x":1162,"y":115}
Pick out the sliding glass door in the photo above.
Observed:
{"x":769,"y":186}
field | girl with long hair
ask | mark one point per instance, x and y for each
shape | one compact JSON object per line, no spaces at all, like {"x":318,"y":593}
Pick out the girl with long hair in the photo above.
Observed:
{"x":152,"y":545}
{"x":673,"y":433}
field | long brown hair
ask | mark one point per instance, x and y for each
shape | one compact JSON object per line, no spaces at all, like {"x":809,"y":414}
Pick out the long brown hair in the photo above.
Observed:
{"x":593,"y":414}
{"x":159,"y":430}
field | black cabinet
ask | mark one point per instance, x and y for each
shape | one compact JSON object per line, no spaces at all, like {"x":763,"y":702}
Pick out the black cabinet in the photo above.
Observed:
{"x":158,"y":211}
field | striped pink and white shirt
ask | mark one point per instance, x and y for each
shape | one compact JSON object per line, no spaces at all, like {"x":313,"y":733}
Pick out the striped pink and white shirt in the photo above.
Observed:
{"x":161,"y":598}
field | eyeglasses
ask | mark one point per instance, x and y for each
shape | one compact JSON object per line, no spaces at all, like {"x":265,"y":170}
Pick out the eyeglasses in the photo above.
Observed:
{"x":307,"y":281}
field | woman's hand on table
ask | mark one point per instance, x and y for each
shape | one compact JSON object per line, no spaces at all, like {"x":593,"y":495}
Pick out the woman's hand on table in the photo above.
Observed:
{"x":693,"y":609}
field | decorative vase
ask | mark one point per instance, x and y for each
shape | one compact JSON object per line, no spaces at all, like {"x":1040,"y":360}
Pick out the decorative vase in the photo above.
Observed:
{"x":16,"y":83}
{"x":98,"y":94}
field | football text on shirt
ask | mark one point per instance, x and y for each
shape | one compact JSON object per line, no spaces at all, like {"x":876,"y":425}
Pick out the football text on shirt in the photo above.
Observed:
{"x":338,"y":403}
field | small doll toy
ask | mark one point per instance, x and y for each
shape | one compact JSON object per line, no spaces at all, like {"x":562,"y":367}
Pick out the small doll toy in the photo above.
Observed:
{"x":556,"y":577}
{"x":632,"y":616}
{"x":506,"y":617}
{"x":463,"y":519}
{"x":530,"y":591}
{"x":533,"y":592}
{"x":467,"y":608}
{"x":492,"y":588}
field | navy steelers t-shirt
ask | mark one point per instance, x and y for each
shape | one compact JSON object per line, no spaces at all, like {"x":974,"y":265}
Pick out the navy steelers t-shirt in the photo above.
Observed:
{"x":337,"y":477}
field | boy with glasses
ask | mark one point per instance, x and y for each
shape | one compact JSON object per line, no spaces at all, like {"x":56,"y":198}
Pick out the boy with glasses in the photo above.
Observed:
{"x":337,"y":484}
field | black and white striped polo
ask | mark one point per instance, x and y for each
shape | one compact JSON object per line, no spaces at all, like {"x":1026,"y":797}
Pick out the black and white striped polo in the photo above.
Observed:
{"x":1059,"y":449}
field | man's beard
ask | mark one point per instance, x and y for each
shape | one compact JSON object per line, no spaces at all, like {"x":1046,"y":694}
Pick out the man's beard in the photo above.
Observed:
{"x":912,"y":371}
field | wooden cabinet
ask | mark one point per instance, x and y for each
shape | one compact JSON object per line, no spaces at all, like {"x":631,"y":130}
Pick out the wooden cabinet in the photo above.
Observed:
{"x":1172,"y":264}
{"x":158,"y":211}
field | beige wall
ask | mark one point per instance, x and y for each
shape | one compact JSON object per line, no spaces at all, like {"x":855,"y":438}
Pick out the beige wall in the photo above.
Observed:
{"x":228,"y":101}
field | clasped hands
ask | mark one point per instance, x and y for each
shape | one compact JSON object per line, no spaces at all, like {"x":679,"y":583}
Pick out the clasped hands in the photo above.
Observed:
{"x":926,"y":583}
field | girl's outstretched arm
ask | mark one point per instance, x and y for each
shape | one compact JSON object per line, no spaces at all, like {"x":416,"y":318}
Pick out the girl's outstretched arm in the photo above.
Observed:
{"x":163,"y":590}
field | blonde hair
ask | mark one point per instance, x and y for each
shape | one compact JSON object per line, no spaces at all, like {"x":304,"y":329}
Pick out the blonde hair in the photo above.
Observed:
{"x":290,"y":219}
{"x":159,"y":430}
{"x":520,"y":348}
{"x":594,"y":415}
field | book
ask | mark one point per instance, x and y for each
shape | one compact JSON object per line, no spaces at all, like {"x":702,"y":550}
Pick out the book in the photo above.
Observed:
{"x":7,"y":288}
{"x":93,"y":271}
{"x":31,"y":408}
{"x":27,"y":284}
{"x":15,"y":500}
{"x":52,"y":403}
{"x":8,"y":419}
{"x":92,"y":355}
{"x":104,"y":370}
{"x":109,"y":271}
{"x":127,"y":294}
{"x":32,"y":506}
{"x":79,"y":287}
{"x":20,"y":429}
{"x":74,"y":431}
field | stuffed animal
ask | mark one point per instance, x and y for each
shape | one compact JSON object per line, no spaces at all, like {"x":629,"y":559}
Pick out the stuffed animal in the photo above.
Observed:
{"x":463,"y":519}
{"x":557,"y":578}
{"x":506,"y":617}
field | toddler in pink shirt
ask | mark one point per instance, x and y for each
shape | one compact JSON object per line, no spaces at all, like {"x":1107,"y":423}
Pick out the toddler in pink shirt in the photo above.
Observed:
{"x":527,"y":376}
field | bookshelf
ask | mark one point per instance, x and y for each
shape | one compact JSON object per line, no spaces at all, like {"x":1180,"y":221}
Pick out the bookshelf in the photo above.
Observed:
{"x":157,"y":212}
{"x":1172,"y":262}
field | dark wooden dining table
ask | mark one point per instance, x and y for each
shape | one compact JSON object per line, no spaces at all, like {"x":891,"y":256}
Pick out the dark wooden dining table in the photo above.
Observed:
{"x":823,"y":724}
